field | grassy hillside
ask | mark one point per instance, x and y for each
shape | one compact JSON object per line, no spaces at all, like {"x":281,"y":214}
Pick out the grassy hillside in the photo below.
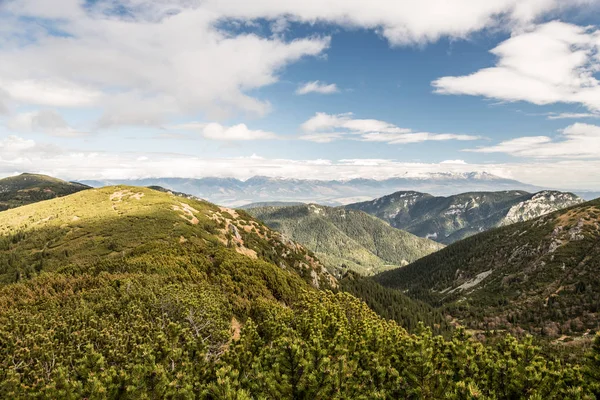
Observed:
{"x":25,"y":189}
{"x":116,"y":223}
{"x":448,"y":219}
{"x":541,"y":276}
{"x":340,"y":237}
{"x":131,"y":293}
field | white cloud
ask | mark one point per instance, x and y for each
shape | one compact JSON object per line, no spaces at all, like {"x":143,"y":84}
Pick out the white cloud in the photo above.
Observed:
{"x":171,"y":58}
{"x":50,"y":92}
{"x":14,"y":144}
{"x":323,"y":128}
{"x":43,"y":121}
{"x":20,"y":155}
{"x":188,"y":126}
{"x":317,"y":87}
{"x":555,"y":62}
{"x":321,"y":137}
{"x":240,"y":132}
{"x":164,"y":60}
{"x":572,"y":115}
{"x":402,"y":21}
{"x":457,"y":162}
{"x":576,"y":141}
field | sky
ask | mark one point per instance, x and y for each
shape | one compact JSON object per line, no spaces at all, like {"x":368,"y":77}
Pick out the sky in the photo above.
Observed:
{"x":318,"y":89}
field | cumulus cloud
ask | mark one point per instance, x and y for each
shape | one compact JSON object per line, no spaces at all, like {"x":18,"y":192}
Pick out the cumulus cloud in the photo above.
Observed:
{"x":19,"y":154}
{"x":325,"y":128}
{"x":240,"y":132}
{"x":575,"y":141}
{"x":43,"y":121}
{"x":159,"y":60}
{"x":317,"y":87}
{"x":143,"y":62}
{"x":400,"y":22}
{"x":552,"y":63}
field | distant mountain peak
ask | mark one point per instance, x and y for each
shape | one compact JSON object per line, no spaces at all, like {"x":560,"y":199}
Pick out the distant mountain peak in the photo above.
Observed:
{"x":261,"y":189}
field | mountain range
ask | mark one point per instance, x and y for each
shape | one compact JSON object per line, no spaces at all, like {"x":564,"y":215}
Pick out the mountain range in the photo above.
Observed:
{"x":234,"y":193}
{"x":346,"y":239}
{"x":448,"y":219}
{"x":539,"y":276}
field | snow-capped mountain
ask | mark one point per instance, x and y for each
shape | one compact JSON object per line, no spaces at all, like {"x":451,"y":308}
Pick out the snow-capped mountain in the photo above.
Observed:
{"x":234,"y":192}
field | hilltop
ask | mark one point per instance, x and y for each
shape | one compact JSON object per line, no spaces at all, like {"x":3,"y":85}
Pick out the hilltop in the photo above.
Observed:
{"x":539,"y":276}
{"x":113,"y":222}
{"x":448,"y":219}
{"x":16,"y":191}
{"x":346,"y":238}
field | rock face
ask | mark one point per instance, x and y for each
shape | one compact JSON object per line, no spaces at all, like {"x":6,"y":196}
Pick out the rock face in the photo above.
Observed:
{"x":448,"y":219}
{"x":539,"y":204}
{"x":345,"y":239}
{"x":517,"y":277}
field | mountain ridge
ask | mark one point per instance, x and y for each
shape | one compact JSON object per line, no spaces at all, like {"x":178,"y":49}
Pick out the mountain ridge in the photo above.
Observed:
{"x":451,"y":218}
{"x":235,"y":192}
{"x":539,"y":276}
{"x":350,"y":238}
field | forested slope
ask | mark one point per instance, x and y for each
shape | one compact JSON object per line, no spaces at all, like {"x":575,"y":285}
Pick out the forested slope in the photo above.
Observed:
{"x":541,"y":276}
{"x":352,"y":239}
{"x":451,"y":218}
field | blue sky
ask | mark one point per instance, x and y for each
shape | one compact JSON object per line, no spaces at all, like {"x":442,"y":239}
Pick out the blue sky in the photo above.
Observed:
{"x":135,"y":88}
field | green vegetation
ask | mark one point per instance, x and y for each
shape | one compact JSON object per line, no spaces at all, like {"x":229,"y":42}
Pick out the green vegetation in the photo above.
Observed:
{"x":25,"y":189}
{"x":394,"y":305}
{"x":119,"y":339}
{"x":346,"y":239}
{"x":540,"y":276}
{"x":132,"y":293}
{"x":116,"y":226}
{"x":452,"y":218}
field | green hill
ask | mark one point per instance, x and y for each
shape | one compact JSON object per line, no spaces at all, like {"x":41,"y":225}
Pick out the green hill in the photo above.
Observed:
{"x":112,"y":223}
{"x":347,"y":238}
{"x":541,"y":276}
{"x":448,"y":219}
{"x":25,"y":189}
{"x":131,"y":293}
